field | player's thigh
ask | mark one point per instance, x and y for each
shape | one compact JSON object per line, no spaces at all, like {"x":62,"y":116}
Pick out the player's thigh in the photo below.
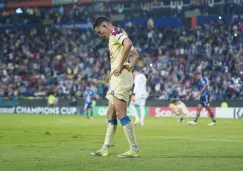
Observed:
{"x":142,"y":102}
{"x":120,"y":107}
{"x":111,"y":112}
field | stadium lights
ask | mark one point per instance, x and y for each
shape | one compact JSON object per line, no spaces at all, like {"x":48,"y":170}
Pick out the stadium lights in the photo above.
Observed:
{"x":19,"y":11}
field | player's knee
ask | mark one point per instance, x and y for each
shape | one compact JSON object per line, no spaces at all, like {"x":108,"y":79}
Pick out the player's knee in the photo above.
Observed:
{"x":121,"y":113}
{"x":111,"y":115}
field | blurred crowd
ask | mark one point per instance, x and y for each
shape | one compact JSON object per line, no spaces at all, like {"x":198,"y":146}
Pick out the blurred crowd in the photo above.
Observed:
{"x":87,"y":12}
{"x":170,"y":57}
{"x":36,"y":62}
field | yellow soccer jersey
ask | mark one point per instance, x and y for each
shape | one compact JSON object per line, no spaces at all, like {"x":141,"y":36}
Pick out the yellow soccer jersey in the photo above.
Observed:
{"x":115,"y":46}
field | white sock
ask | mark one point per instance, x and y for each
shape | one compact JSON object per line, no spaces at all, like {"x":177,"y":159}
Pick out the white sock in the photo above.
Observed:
{"x":130,"y":134}
{"x":110,"y":132}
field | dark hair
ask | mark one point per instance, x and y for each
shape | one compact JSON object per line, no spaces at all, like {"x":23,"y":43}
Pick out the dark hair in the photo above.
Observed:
{"x":198,"y":73}
{"x":99,"y":21}
{"x":173,"y":101}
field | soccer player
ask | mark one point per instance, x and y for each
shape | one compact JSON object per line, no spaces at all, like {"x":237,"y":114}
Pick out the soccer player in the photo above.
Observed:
{"x":140,"y":95}
{"x":121,"y":82}
{"x":180,"y":109}
{"x":204,"y":94}
{"x":88,"y":102}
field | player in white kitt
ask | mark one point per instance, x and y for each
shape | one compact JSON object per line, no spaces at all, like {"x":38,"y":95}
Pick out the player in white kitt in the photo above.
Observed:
{"x":140,"y":96}
{"x":180,"y":109}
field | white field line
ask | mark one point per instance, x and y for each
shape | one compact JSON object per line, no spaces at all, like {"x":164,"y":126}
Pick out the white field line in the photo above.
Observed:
{"x":182,"y":138}
{"x":202,"y":139}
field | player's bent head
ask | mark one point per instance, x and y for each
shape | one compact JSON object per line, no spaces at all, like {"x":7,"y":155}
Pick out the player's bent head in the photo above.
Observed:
{"x":174,"y":101}
{"x":99,"y":21}
{"x":102,"y":27}
{"x":198,"y":75}
{"x":135,"y":72}
{"x":88,"y":86}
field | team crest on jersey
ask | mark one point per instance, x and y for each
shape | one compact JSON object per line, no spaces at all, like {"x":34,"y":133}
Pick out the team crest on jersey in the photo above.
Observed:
{"x":117,"y":31}
{"x":112,"y":93}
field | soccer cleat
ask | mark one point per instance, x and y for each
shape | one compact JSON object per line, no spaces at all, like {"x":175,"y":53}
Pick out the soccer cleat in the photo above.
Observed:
{"x":212,"y":124}
{"x":100,"y":152}
{"x":192,"y":123}
{"x":129,"y":154}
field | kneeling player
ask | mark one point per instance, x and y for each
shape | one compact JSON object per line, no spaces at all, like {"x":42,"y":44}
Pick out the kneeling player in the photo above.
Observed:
{"x":180,"y":109}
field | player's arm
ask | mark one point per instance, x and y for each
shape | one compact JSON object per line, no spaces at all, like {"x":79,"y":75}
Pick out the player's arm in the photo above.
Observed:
{"x":127,"y":45}
{"x":133,"y":57}
{"x":85,"y":95}
{"x":135,"y":89}
{"x":136,"y":86}
{"x":202,"y":90}
{"x":92,"y":95}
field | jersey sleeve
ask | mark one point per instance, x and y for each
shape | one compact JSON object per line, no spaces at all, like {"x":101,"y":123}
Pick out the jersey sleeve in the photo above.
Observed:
{"x":203,"y":81}
{"x":119,"y":35}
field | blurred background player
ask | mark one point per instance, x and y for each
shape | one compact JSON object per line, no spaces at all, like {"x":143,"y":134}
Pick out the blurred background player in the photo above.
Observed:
{"x":89,"y":94}
{"x":139,"y":97}
{"x":204,"y":94}
{"x":180,"y":109}
{"x":52,"y":99}
{"x":74,"y":102}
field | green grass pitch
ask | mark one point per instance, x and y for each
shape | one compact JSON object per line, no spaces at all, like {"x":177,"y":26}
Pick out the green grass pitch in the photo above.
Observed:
{"x":55,"y":142}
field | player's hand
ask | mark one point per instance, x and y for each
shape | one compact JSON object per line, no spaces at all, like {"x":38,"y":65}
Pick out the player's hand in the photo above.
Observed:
{"x":118,"y":70}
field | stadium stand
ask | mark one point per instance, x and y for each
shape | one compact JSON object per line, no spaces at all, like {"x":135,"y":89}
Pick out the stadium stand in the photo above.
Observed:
{"x":38,"y":60}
